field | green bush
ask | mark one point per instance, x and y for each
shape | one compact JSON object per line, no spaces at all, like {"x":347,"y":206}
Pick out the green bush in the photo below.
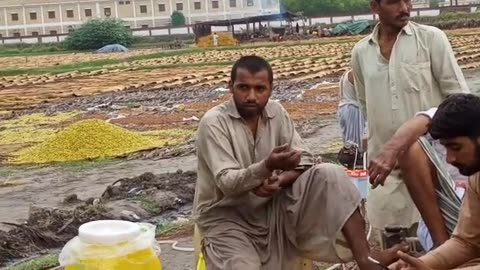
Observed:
{"x":95,"y":34}
{"x":178,"y":19}
{"x":434,"y":3}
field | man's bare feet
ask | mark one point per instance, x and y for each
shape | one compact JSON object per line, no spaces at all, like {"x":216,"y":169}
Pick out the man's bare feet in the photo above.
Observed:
{"x":390,"y":255}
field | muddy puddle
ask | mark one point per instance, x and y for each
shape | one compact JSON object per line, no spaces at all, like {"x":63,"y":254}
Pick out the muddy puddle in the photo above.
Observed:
{"x":142,"y":198}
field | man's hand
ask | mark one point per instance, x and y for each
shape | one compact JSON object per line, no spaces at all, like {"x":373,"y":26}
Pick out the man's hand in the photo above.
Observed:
{"x":381,"y":167}
{"x":401,"y":141}
{"x":408,"y":262}
{"x":398,"y":265}
{"x":283,"y":158}
{"x":269,"y":187}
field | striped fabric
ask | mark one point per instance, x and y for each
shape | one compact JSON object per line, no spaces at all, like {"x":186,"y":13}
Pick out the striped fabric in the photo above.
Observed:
{"x":448,"y":200}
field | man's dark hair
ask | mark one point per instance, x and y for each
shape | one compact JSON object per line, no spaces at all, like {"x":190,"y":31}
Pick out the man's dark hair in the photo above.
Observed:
{"x":253,"y":64}
{"x":457,"y":116}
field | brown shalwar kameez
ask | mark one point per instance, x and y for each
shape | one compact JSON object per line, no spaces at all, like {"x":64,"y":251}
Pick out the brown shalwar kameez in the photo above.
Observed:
{"x":243,"y":231}
{"x":462,"y":251}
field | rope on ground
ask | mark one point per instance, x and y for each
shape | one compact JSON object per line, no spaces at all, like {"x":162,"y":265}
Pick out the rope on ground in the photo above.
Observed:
{"x":175,"y":247}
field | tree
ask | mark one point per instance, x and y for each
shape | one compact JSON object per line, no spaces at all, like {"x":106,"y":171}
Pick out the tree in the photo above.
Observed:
{"x":434,"y":3}
{"x":178,"y":19}
{"x":95,"y":34}
{"x":326,"y":7}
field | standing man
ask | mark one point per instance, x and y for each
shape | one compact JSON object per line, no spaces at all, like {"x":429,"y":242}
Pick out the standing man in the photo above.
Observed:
{"x":351,"y":119}
{"x":260,"y":201}
{"x":352,"y":123}
{"x":215,"y":40}
{"x":400,"y":69}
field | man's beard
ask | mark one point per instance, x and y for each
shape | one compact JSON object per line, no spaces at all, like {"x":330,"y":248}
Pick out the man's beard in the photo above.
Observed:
{"x":469,"y":170}
{"x":248,"y":112}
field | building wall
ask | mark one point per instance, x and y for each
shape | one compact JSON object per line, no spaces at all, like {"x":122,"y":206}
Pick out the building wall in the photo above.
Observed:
{"x":32,"y":17}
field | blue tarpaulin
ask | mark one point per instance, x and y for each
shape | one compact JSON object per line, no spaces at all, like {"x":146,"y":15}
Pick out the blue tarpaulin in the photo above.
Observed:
{"x":112,"y":48}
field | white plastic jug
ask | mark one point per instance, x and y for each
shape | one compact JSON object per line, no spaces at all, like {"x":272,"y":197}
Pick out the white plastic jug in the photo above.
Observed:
{"x":112,"y":245}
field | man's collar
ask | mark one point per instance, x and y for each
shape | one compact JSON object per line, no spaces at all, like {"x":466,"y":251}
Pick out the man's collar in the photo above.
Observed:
{"x":269,"y":112}
{"x":407,"y":29}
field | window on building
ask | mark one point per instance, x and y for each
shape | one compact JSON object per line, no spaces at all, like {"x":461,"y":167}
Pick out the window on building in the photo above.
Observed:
{"x":70,"y":30}
{"x":144,"y":26}
{"x":233,"y":3}
{"x":161,"y":7}
{"x":34,"y":34}
{"x":121,"y":3}
{"x":14,"y":17}
{"x":197,"y":5}
{"x":33,"y":16}
{"x":127,"y":2}
{"x":127,"y":26}
{"x":1,"y":35}
{"x":249,"y":3}
{"x":143,"y":9}
{"x":214,"y":4}
{"x":88,"y":12}
{"x":69,"y":13}
{"x":51,"y":14}
{"x":16,"y":34}
{"x":179,"y":6}
{"x":53,"y":32}
{"x":107,"y":11}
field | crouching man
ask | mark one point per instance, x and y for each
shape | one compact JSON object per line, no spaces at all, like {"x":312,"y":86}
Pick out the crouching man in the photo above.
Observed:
{"x":456,"y":124}
{"x":260,"y":201}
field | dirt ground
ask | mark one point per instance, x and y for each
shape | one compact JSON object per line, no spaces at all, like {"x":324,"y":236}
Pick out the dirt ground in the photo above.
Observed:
{"x":51,"y":187}
{"x":25,"y":186}
{"x":46,"y":187}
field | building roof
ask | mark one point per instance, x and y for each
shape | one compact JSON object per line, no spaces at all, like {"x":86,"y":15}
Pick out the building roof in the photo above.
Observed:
{"x":263,"y":18}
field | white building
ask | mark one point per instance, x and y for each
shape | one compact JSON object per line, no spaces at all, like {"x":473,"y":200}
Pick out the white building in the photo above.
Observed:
{"x":43,"y":17}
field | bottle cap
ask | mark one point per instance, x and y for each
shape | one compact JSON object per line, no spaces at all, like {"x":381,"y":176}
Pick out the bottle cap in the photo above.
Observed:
{"x":108,"y":232}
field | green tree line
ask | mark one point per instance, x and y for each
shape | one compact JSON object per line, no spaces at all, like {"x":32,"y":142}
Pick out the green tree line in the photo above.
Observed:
{"x":326,"y":7}
{"x":332,"y":7}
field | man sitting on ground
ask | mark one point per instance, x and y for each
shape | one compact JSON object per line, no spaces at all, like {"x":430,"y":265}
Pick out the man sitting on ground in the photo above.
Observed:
{"x":456,"y":125}
{"x":260,"y":200}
